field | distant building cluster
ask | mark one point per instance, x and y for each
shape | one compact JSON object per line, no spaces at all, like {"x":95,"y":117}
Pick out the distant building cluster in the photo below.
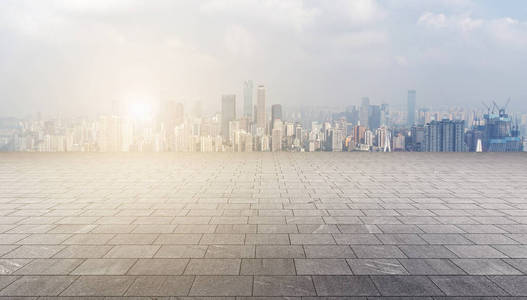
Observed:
{"x":273,"y":128}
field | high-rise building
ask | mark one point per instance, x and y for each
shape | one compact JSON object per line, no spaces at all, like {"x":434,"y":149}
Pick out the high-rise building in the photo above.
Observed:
{"x":228,"y":113}
{"x":444,"y":136}
{"x":364,"y":111}
{"x":374,"y":117}
{"x":417,"y":138}
{"x":248,"y":99}
{"x":276,"y":137}
{"x":497,"y":133}
{"x":260,"y":108}
{"x":410,"y":117}
{"x":276,"y":113}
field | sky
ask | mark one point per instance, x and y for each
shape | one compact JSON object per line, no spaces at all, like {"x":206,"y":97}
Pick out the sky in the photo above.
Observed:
{"x":75,"y":57}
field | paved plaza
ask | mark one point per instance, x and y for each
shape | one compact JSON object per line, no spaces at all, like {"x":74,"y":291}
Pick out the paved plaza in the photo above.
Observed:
{"x":263,"y":224}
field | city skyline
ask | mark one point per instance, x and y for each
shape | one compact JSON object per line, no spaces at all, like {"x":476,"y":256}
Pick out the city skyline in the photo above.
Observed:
{"x":79,"y":56}
{"x":370,"y":127}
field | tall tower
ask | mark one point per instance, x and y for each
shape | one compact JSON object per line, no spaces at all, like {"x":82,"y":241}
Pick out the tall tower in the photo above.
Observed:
{"x":276,"y":114}
{"x":410,"y":117}
{"x":248,"y":98}
{"x":228,"y":113}
{"x":260,"y":108}
{"x":364,"y":111}
{"x":387,"y":141}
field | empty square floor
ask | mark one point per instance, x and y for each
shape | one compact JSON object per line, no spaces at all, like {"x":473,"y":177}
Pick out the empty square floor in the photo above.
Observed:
{"x":263,"y":225}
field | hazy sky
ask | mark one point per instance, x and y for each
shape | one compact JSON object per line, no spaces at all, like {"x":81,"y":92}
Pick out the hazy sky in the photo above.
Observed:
{"x":77,"y":56}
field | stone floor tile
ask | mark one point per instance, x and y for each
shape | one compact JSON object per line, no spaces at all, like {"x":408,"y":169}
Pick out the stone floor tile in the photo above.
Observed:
{"x":213,"y":266}
{"x":50,"y":266}
{"x":230,"y":251}
{"x":159,"y":266}
{"x":83,"y":251}
{"x":399,"y":229}
{"x":344,"y":286}
{"x":178,"y":239}
{"x":445,"y":239}
{"x":467,"y":286}
{"x":278,"y":228}
{"x":222,"y":239}
{"x":431,"y":266}
{"x":99,"y":286}
{"x":327,"y":266}
{"x":195,"y":228}
{"x":7,"y":280}
{"x":238,"y":228}
{"x":481,"y":238}
{"x":512,"y":251}
{"x":44,"y":239}
{"x":356,"y":239}
{"x":376,"y":267}
{"x":267,"y":266}
{"x":89,"y":239}
{"x":151,"y":228}
{"x":359,"y":228}
{"x":181,"y":251}
{"x":519,"y":264}
{"x":329,"y":251}
{"x":133,"y":239}
{"x":9,"y":265}
{"x":34,"y":251}
{"x":38,"y":286}
{"x":317,"y":228}
{"x":426,"y":251}
{"x":132,"y":251}
{"x":283,"y":286}
{"x":155,"y":286}
{"x":514,"y":285}
{"x":486,"y":267}
{"x":222,"y":286}
{"x":267,"y":239}
{"x":7,"y":248}
{"x":378,"y":251}
{"x":401,"y":239}
{"x":280,"y":251}
{"x":406,"y":286}
{"x":311,"y":239}
{"x":475,"y":251}
{"x":104,"y":266}
{"x":113,"y":228}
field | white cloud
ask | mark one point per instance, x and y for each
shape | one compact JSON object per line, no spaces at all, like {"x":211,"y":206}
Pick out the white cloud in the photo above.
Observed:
{"x":200,"y":49}
{"x":463,"y":22}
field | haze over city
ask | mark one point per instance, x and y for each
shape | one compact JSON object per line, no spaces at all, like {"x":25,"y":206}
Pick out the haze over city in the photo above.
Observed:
{"x":76,"y":57}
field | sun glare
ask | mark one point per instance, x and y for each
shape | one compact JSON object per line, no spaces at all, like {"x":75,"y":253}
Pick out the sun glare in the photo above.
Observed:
{"x":140,"y":111}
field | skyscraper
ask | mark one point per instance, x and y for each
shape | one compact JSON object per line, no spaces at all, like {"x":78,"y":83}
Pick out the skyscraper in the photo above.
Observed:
{"x":276,"y":136}
{"x":260,"y":108}
{"x":374,"y":117}
{"x":248,"y":98}
{"x":364,"y":111}
{"x":411,"y":107}
{"x":276,"y":113}
{"x":228,"y":113}
{"x":444,"y":136}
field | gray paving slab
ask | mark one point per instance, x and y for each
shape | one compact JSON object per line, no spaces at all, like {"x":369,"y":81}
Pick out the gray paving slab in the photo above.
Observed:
{"x":263,"y":225}
{"x":406,"y":286}
{"x":283,"y":286}
{"x":345,"y":286}
{"x":99,"y":286}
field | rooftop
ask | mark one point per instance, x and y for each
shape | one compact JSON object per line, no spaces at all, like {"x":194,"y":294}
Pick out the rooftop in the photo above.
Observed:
{"x":263,"y":224}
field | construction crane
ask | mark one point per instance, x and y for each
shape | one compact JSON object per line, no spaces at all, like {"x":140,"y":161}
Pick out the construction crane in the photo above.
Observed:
{"x":487,"y":107}
{"x":501,"y":110}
